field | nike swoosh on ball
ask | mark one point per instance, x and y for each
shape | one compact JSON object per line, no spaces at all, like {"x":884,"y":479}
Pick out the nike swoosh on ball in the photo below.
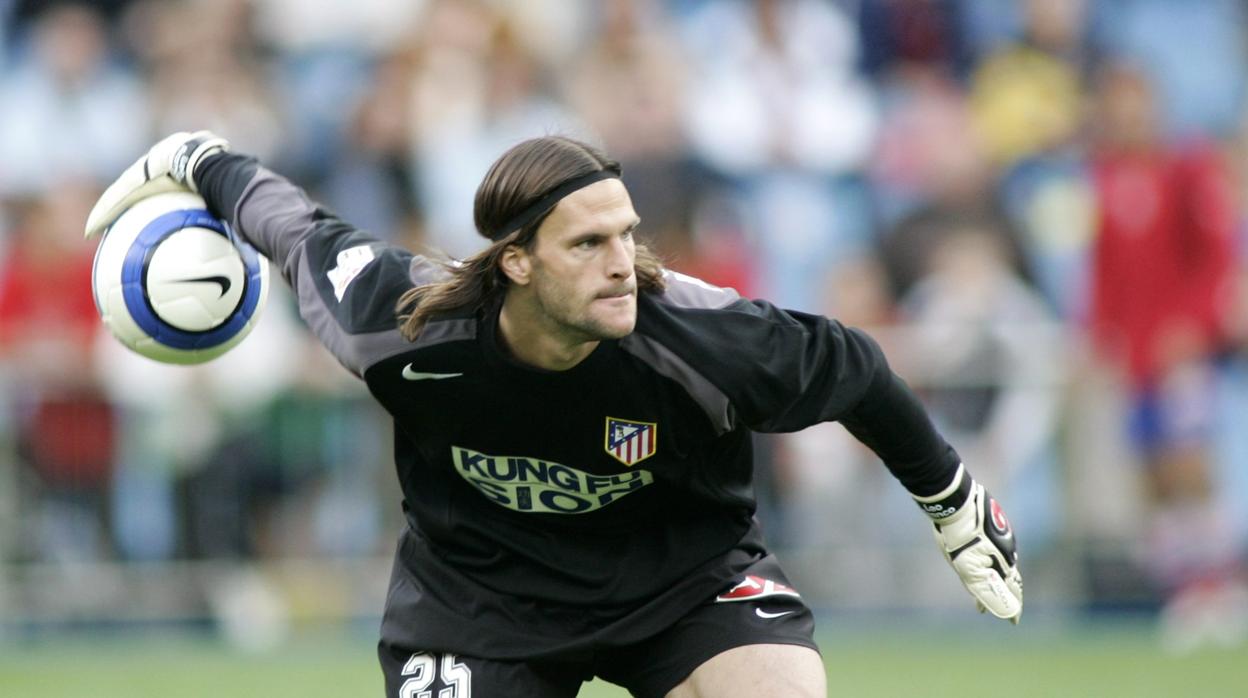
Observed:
{"x":222,"y":281}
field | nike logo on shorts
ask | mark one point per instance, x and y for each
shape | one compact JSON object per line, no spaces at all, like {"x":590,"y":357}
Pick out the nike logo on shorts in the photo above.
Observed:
{"x":764,"y":614}
{"x":411,"y":375}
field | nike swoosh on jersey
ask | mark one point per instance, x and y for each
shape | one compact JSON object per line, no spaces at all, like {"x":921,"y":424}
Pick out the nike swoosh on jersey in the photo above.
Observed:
{"x":411,"y":375}
{"x":222,"y":281}
{"x":764,"y":614}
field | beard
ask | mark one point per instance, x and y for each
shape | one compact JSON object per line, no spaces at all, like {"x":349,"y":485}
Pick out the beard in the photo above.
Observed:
{"x":578,"y":318}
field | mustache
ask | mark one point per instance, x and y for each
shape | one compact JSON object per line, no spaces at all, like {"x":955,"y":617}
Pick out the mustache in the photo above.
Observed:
{"x":619,"y":291}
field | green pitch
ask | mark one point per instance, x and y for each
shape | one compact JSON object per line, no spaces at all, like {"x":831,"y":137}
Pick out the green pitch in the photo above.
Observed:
{"x":1007,"y":661}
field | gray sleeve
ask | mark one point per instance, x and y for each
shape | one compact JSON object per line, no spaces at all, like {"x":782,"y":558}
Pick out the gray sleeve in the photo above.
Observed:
{"x":347,"y":281}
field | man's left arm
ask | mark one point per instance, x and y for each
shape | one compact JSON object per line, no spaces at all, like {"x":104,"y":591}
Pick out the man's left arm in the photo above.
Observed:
{"x":970,"y":526}
{"x":783,"y":370}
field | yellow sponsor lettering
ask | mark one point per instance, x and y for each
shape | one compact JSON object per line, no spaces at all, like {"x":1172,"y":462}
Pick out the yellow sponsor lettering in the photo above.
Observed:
{"x":532,"y":485}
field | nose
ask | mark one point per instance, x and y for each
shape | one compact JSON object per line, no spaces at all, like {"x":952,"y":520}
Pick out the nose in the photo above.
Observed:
{"x":620,"y":257}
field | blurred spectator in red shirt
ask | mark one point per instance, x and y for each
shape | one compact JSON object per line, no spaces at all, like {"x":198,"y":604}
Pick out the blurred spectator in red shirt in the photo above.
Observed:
{"x":65,"y":428}
{"x":1164,"y":248}
{"x":47,"y":315}
{"x":1162,"y":271}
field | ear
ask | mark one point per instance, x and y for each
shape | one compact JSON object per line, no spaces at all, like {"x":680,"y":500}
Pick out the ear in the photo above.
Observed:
{"x":516,"y":264}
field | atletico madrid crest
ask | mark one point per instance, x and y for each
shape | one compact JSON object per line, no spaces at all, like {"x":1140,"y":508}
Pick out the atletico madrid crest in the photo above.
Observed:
{"x":631,"y":442}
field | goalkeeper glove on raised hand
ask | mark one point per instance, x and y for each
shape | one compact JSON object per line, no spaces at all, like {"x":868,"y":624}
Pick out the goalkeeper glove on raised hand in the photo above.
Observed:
{"x":977,"y":540}
{"x":168,"y":166}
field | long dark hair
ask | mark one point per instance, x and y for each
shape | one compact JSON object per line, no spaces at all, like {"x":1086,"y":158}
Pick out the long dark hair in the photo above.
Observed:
{"x":520,"y":177}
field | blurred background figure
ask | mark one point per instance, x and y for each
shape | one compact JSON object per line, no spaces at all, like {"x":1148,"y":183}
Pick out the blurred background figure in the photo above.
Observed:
{"x":1037,"y":207}
{"x":986,"y":346}
{"x":63,"y":427}
{"x":1162,"y":279}
{"x":66,"y":107}
{"x":934,"y":178}
{"x":627,"y":81}
{"x":480,"y":86}
{"x":776,"y":109}
{"x":1025,"y":92}
{"x":202,"y":67}
{"x":1193,"y":52}
{"x":1027,"y":99}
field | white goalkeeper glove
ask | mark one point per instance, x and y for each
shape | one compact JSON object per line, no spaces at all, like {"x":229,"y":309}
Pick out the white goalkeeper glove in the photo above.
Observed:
{"x":977,"y":540}
{"x":168,"y":166}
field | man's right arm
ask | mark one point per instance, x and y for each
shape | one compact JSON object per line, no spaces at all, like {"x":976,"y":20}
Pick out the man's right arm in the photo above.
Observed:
{"x":272,"y":213}
{"x":347,"y":281}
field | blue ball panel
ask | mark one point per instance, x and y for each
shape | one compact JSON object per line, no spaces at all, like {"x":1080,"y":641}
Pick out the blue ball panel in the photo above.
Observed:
{"x":136,"y":296}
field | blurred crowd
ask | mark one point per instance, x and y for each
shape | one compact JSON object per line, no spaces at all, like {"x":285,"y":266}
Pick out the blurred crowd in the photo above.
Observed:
{"x":1036,"y":206}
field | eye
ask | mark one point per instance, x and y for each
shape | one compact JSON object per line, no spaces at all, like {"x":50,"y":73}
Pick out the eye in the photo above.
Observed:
{"x":587,"y":244}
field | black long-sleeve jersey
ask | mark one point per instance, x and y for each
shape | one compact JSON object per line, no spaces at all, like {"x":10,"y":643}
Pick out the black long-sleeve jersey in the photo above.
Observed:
{"x":547,"y":510}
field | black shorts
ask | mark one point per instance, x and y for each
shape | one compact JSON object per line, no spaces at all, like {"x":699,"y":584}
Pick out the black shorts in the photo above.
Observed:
{"x":760,"y":609}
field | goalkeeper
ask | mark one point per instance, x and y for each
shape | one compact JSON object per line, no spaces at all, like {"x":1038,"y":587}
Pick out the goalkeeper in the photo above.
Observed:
{"x":572,"y":434}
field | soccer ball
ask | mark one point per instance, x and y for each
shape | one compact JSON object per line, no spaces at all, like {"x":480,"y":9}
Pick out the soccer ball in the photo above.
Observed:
{"x":173,"y":282}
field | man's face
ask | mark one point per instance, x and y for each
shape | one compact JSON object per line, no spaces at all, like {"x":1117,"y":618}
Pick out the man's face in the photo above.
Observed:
{"x":581,"y":264}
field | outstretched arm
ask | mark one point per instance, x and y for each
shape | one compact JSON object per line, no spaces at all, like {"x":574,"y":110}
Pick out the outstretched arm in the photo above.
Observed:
{"x":970,"y":527}
{"x":347,"y":282}
{"x":782,"y":370}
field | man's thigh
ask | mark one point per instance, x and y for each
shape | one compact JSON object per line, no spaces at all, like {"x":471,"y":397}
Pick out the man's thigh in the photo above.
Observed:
{"x":757,"y":671}
{"x":727,"y":637}
{"x":416,"y":674}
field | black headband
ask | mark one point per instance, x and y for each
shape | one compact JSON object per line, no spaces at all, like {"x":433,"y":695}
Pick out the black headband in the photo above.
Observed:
{"x":547,"y":201}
